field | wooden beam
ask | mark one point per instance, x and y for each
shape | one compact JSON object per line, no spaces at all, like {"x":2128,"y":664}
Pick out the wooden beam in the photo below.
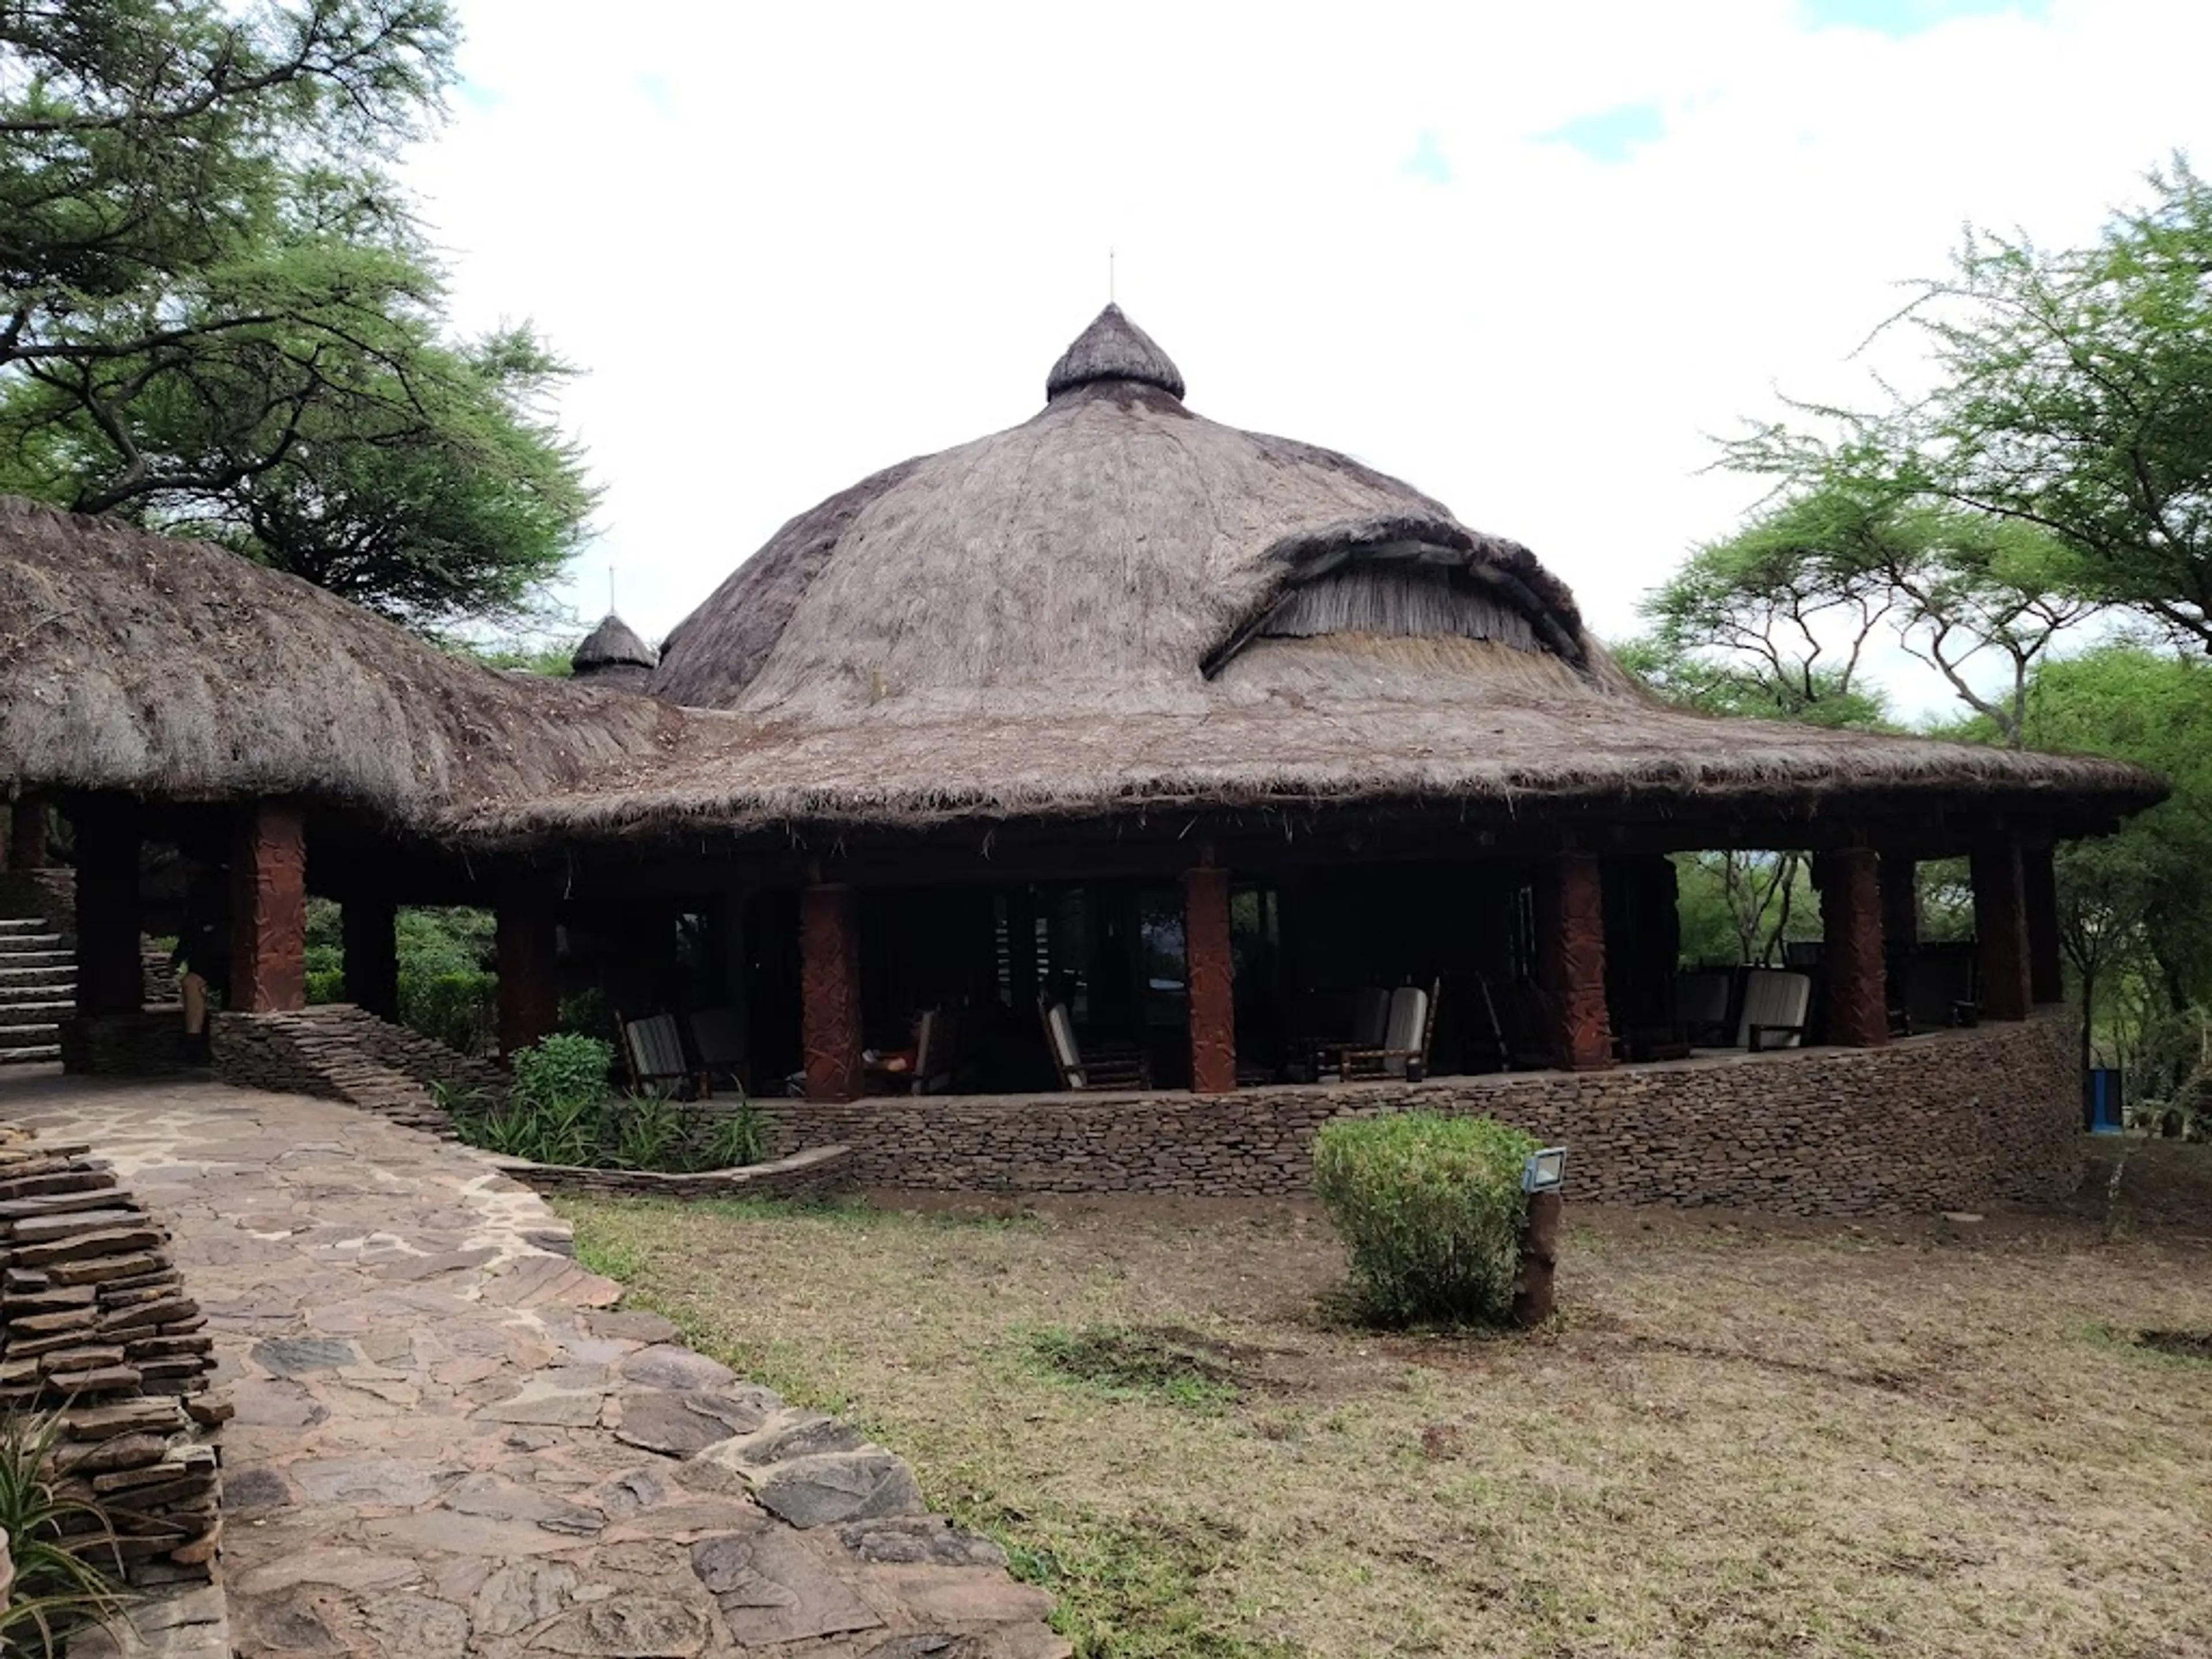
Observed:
{"x":1850,"y":920}
{"x":1210,"y":972}
{"x":525,"y":943}
{"x":110,"y":976}
{"x":830,"y":991}
{"x":1571,"y":960}
{"x":2001,"y":932}
{"x":2046,"y":971}
{"x":369,"y":931}
{"x":268,"y":909}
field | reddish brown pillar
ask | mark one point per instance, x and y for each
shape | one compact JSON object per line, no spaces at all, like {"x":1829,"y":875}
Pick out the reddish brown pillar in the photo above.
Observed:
{"x":27,"y":833}
{"x":524,"y":946}
{"x":830,"y":991}
{"x":1900,"y":901}
{"x":1213,"y":980}
{"x":2046,"y":974}
{"x":268,"y":909}
{"x":2001,"y":932}
{"x":1571,"y":960}
{"x":1850,"y":920}
{"x":368,"y":931}
{"x":110,"y":978}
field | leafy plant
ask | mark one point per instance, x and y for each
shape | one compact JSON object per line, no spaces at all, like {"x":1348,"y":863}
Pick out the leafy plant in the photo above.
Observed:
{"x":60,"y":1584}
{"x":647,"y":1133}
{"x":562,"y":1070}
{"x":458,"y":1009}
{"x":1432,"y":1210}
{"x":735,"y":1139}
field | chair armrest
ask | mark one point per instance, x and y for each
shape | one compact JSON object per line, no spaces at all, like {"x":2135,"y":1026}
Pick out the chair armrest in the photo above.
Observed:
{"x":1758,"y":1034}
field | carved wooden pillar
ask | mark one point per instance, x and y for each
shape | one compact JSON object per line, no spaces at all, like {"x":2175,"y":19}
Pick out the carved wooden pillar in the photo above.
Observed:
{"x":525,"y":944}
{"x":829,"y":990}
{"x":1213,"y":980}
{"x":2046,"y":975}
{"x":1571,"y":960}
{"x":110,"y":978}
{"x":27,"y":833}
{"x":268,"y":909}
{"x":1900,"y":902}
{"x":368,"y":926}
{"x":2001,"y":932}
{"x":1850,"y":919}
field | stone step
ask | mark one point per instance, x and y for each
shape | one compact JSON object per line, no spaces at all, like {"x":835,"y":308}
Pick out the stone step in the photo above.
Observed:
{"x":34,"y":1056}
{"x":42,"y":1011}
{"x":24,"y":940}
{"x":14,"y":993}
{"x":25,"y":962}
{"x":29,"y":1037}
{"x":9,"y":925}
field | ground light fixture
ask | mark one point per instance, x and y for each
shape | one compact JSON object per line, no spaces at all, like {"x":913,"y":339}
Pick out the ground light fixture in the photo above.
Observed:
{"x":1545,"y":1171}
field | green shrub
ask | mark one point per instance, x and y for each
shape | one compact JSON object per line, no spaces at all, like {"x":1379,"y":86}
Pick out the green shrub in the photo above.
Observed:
{"x":459,"y":1009}
{"x":1430,"y":1208}
{"x":67,"y":1569}
{"x":326,"y":984}
{"x":561,"y":1071}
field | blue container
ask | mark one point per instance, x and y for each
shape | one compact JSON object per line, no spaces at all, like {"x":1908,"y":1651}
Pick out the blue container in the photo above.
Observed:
{"x":2104,"y":1106}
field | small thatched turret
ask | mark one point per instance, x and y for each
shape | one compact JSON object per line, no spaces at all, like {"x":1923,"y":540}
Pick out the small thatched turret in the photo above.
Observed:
{"x":613,"y":655}
{"x":1114,"y":348}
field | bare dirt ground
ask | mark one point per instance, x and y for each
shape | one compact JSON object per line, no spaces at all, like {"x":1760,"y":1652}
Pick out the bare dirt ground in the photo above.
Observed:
{"x":1743,"y":1436}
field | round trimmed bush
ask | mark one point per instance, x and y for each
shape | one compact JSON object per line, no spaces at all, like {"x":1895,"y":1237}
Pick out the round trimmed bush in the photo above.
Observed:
{"x":1432,"y":1210}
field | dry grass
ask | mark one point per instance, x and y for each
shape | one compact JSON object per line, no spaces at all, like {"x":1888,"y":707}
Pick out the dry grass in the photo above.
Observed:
{"x":1745,"y":1437}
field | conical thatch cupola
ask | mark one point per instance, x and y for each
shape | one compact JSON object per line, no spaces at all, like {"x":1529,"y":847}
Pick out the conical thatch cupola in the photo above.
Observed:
{"x":613,"y":655}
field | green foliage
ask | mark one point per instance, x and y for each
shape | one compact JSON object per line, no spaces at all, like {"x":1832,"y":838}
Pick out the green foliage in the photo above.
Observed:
{"x":447,"y":989}
{"x":1430,"y":1208}
{"x":559,"y":1110}
{"x":223,"y":319}
{"x":2073,"y":397}
{"x":1743,"y":906}
{"x":1123,"y":1361}
{"x":460,"y":1010}
{"x":60,"y":1587}
{"x":326,"y":985}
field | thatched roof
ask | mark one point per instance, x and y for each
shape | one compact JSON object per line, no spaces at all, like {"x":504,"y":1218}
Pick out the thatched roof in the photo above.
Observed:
{"x":613,"y":644}
{"x":1115,"y":609}
{"x":177,"y":669}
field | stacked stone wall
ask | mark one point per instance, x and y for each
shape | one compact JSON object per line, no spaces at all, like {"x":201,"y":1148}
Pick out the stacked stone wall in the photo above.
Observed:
{"x":95,"y":1327}
{"x":814,"y":1173}
{"x":1952,"y":1119}
{"x":336,"y":1051}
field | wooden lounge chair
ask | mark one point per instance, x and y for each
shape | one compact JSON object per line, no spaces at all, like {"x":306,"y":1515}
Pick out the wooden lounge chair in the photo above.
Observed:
{"x":1367,"y":1009}
{"x":1701,"y":1007}
{"x":929,"y":1068}
{"x":1775,"y":1002}
{"x":653,"y":1050}
{"x":1101,"y":1070}
{"x":1408,"y":1025}
{"x":718,"y":1045}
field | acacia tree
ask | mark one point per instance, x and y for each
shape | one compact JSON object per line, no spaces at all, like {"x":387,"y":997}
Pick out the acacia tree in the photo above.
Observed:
{"x":2074,"y":395}
{"x":217,"y":314}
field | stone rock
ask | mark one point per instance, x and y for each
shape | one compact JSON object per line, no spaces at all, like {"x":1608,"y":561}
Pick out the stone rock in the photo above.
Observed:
{"x":627,"y":1627}
{"x":632,"y":1324}
{"x":418,"y":1627}
{"x":403,"y":1482}
{"x":667,"y":1366}
{"x":817,"y":1492}
{"x":918,"y":1540}
{"x":276,"y":1404}
{"x":526,"y":1593}
{"x":627,"y":1494}
{"x":813,"y":1437}
{"x":296,"y":1356}
{"x":503,"y":1500}
{"x":771,"y":1587}
{"x":962,"y":1595}
{"x":656,"y":1420}
{"x":538,"y":1401}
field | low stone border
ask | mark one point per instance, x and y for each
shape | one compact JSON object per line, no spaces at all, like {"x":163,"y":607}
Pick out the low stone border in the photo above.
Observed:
{"x":811,"y":1174}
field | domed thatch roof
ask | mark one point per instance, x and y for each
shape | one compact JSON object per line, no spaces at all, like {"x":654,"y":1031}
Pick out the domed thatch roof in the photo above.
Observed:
{"x":1115,"y":553}
{"x":613,"y":655}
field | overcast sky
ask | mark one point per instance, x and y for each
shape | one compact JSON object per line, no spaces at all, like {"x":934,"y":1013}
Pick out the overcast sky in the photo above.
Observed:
{"x":1530,"y":258}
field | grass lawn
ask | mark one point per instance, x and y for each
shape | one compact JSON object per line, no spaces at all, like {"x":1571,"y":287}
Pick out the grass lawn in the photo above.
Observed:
{"x":1744,"y":1436}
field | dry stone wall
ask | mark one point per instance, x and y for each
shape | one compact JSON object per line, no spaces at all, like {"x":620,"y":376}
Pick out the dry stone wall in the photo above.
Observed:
{"x":337,"y":1051}
{"x":814,"y":1173}
{"x":1951,"y":1119}
{"x":96,"y":1327}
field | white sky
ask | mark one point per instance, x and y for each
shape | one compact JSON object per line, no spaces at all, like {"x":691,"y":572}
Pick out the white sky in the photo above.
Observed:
{"x":1530,"y":258}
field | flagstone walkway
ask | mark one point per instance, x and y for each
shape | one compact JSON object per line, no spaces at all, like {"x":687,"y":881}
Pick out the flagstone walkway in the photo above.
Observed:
{"x":449,"y":1441}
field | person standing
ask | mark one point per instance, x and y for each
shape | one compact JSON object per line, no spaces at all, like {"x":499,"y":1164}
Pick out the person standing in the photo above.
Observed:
{"x":203,"y":956}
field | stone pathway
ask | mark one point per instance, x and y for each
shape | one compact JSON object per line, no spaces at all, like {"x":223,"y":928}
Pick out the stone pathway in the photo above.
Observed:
{"x":448,"y":1441}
